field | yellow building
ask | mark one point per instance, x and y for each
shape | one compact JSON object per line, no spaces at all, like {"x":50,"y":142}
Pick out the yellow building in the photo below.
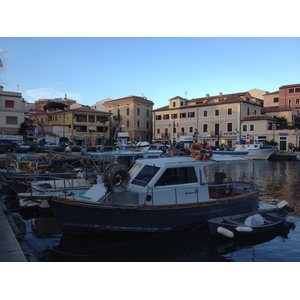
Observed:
{"x":80,"y":124}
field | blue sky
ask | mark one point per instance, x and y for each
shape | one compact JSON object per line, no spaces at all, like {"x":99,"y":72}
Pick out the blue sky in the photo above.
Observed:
{"x":89,"y":69}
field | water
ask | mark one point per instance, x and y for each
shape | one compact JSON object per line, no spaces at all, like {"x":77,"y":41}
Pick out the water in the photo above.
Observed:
{"x":277,"y":179}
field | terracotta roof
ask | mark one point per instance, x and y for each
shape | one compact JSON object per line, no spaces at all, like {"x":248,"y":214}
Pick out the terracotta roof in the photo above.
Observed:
{"x":257,"y":118}
{"x":290,"y":85}
{"x":275,"y":109}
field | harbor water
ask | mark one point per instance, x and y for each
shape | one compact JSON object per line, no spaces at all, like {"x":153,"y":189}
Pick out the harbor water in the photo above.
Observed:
{"x":278,"y":180}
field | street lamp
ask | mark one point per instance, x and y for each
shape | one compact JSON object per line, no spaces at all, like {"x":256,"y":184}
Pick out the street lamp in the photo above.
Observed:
{"x":274,"y":126}
{"x":64,"y":122}
{"x":174,"y":130}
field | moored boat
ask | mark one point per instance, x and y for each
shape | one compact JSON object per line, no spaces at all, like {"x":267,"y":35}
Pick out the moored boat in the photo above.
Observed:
{"x":155,"y":195}
{"x":257,"y":222}
{"x":256,"y":150}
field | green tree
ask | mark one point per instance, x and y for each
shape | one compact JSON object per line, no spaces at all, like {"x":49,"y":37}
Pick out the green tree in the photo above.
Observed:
{"x":54,"y":106}
{"x":23,"y":130}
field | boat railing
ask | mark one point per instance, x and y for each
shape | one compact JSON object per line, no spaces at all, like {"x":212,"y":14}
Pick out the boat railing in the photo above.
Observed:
{"x":230,"y":189}
{"x":68,"y":180}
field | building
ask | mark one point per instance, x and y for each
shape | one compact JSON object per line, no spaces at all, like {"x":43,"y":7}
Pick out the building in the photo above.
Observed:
{"x":79,"y":125}
{"x":12,"y":114}
{"x":213,"y":119}
{"x":134,"y":116}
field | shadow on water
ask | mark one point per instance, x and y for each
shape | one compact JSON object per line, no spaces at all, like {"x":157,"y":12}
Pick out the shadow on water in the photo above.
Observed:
{"x":194,"y":244}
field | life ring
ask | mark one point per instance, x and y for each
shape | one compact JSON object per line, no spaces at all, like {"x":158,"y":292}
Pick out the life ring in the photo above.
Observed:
{"x":210,"y":154}
{"x":8,"y":161}
{"x":198,"y":147}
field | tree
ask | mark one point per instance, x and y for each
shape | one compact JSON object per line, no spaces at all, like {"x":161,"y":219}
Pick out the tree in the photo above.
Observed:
{"x":282,"y":122}
{"x":23,"y":129}
{"x":54,"y":106}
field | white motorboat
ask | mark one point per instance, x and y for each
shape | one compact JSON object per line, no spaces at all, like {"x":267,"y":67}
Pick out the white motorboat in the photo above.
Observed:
{"x":155,"y":195}
{"x":256,"y":150}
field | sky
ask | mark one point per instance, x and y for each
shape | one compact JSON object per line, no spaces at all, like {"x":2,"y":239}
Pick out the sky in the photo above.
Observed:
{"x":90,"y":69}
{"x":154,"y":63}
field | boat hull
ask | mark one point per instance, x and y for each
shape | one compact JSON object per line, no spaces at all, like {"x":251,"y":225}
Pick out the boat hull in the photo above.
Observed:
{"x":77,"y":216}
{"x":236,"y":224}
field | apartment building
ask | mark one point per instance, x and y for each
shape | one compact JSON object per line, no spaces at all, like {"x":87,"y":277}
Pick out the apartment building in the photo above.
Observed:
{"x":79,"y":125}
{"x":12,"y":114}
{"x":214,"y":119}
{"x":134,"y":116}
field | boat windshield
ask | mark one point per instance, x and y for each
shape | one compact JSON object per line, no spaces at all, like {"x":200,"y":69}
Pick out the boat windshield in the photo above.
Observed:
{"x":144,"y":175}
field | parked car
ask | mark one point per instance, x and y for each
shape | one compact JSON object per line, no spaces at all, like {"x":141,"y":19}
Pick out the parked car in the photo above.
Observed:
{"x":9,"y":145}
{"x":51,"y":145}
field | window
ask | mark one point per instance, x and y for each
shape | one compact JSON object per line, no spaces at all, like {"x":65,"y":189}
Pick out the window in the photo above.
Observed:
{"x":290,"y":102}
{"x":138,"y":123}
{"x":144,"y":176}
{"x":158,"y":117}
{"x":158,"y":130}
{"x":244,"y":127}
{"x":297,"y":90}
{"x":217,"y":112}
{"x":182,"y":115}
{"x":229,"y":127}
{"x":127,"y":123}
{"x":251,"y":127}
{"x":174,"y":104}
{"x":173,"y":176}
{"x":205,"y":127}
{"x":229,"y":111}
{"x":147,"y":112}
{"x":166,"y":117}
{"x":127,"y":111}
{"x":205,"y":113}
{"x":138,"y":111}
{"x":11,"y":120}
{"x":297,"y":101}
{"x":191,"y":114}
{"x":275,"y":100}
{"x":191,"y":129}
{"x":173,"y":116}
{"x":291,"y":91}
{"x":9,"y":104}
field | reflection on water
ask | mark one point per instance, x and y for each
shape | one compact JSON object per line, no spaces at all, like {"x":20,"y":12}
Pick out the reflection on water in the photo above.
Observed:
{"x":277,"y":180}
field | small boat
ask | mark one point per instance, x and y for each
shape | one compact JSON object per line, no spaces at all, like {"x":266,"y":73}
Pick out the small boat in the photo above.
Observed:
{"x":155,"y":195}
{"x":257,"y":222}
{"x":255,"y":150}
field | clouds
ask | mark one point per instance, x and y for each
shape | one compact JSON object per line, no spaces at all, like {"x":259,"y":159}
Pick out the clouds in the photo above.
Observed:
{"x":4,"y":54}
{"x":49,"y":93}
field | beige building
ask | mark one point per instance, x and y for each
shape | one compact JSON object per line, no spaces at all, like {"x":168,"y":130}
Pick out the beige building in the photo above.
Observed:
{"x":213,"y":119}
{"x":134,"y":115}
{"x":12,"y":114}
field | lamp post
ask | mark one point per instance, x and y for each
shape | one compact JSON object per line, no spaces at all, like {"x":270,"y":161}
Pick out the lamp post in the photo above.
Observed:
{"x":274,"y":125}
{"x":64,"y":122}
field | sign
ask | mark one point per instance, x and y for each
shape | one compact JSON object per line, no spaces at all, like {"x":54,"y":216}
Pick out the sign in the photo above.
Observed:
{"x":186,"y":138}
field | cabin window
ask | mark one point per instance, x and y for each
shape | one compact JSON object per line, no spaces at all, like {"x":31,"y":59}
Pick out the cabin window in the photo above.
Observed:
{"x":173,"y":176}
{"x":144,"y":176}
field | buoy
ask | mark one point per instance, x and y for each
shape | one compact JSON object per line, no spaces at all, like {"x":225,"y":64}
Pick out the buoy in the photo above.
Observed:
{"x":244,"y":229}
{"x":255,"y":220}
{"x":282,"y":204}
{"x":227,"y":233}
